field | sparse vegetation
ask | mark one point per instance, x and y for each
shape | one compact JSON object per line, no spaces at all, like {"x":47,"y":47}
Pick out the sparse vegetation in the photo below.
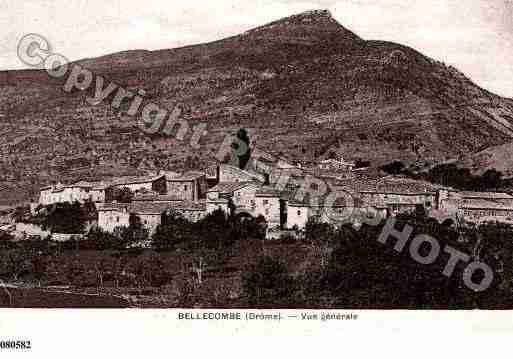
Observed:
{"x":329,"y":268}
{"x":457,"y":177}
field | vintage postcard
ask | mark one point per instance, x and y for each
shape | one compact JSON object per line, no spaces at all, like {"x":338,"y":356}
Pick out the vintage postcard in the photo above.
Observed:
{"x":173,"y":171}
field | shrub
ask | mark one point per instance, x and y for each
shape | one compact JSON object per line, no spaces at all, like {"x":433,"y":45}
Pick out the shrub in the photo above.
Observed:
{"x":287,"y":238}
{"x":267,"y":282}
{"x":318,"y":232}
{"x":69,"y":218}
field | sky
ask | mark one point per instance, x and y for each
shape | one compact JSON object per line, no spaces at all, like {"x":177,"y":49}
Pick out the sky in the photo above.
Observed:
{"x":475,"y":36}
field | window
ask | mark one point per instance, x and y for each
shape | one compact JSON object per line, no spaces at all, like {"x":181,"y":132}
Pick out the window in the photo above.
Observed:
{"x":266,"y":201}
{"x":299,"y":212}
{"x":117,"y":219}
{"x":185,"y":187}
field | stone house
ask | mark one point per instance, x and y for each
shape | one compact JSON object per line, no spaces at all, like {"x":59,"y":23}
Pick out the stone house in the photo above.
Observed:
{"x":297,"y":214}
{"x":480,"y":210}
{"x":46,"y":195}
{"x":145,"y":183}
{"x":98,"y":192}
{"x":79,"y":191}
{"x":229,"y":173}
{"x":155,"y":197}
{"x":271,"y":206}
{"x":240,"y":195}
{"x":475,"y":206}
{"x":399,"y":195}
{"x":150,"y":213}
{"x":190,"y":186}
{"x":497,"y":197}
{"x":113,"y":215}
{"x":192,"y":211}
{"x":243,"y":197}
{"x":213,"y":205}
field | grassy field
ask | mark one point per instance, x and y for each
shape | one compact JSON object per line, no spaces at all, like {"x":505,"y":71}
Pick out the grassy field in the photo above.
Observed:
{"x":149,"y":279}
{"x":41,"y":298}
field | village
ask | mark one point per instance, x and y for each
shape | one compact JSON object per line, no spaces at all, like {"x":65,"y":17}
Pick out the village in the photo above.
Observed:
{"x":275,"y":189}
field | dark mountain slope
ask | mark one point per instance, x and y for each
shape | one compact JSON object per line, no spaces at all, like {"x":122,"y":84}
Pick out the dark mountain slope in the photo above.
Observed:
{"x":303,"y":86}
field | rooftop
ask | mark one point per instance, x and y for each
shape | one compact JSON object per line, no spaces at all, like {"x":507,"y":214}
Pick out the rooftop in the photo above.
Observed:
{"x":155,"y":208}
{"x":160,"y":207}
{"x":390,"y":185}
{"x":188,"y":176}
{"x":118,"y":181}
{"x":486,"y":204}
{"x":268,"y":191}
{"x":148,"y":207}
{"x":134,"y":180}
{"x":486,"y":195}
{"x":230,"y":187}
{"x":152,"y":197}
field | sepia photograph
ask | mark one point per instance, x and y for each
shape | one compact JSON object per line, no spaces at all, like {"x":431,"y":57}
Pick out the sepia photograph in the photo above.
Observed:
{"x":239,"y":160}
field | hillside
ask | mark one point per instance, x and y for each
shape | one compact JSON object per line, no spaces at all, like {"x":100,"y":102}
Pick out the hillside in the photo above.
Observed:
{"x":303,"y":86}
{"x":496,"y":157}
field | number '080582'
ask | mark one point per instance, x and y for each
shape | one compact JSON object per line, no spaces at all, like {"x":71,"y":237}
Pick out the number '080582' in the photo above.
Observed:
{"x":15,"y":344}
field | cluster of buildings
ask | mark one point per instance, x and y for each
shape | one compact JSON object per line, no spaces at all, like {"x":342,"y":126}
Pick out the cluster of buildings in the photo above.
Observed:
{"x":269,"y":187}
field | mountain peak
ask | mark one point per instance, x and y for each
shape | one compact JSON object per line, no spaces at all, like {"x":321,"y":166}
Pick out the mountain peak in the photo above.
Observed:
{"x":311,"y":17}
{"x":304,"y":23}
{"x":307,"y":16}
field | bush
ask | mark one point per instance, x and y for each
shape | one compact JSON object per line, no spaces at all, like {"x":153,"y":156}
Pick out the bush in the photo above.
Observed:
{"x":267,"y":282}
{"x":68,"y":218}
{"x":287,"y":238}
{"x":393,"y":168}
{"x":319,"y":232}
{"x":5,"y":237}
{"x":214,"y":231}
{"x":173,"y":231}
{"x":100,"y":240}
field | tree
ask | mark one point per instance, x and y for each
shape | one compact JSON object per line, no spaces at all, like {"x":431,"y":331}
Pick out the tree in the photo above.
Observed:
{"x":216,"y":231}
{"x":100,"y":269}
{"x":39,"y":265}
{"x":317,"y":231}
{"x":123,"y":195}
{"x":64,"y":217}
{"x":102,"y":240}
{"x":5,"y":237}
{"x":14,"y":263}
{"x":393,"y":168}
{"x":134,"y":233}
{"x":20,"y":214}
{"x":173,"y":230}
{"x":90,"y":211}
{"x":149,"y":270}
{"x":363,"y":273}
{"x":241,"y":151}
{"x":267,"y":282}
{"x":198,"y":268}
{"x":491,"y":179}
